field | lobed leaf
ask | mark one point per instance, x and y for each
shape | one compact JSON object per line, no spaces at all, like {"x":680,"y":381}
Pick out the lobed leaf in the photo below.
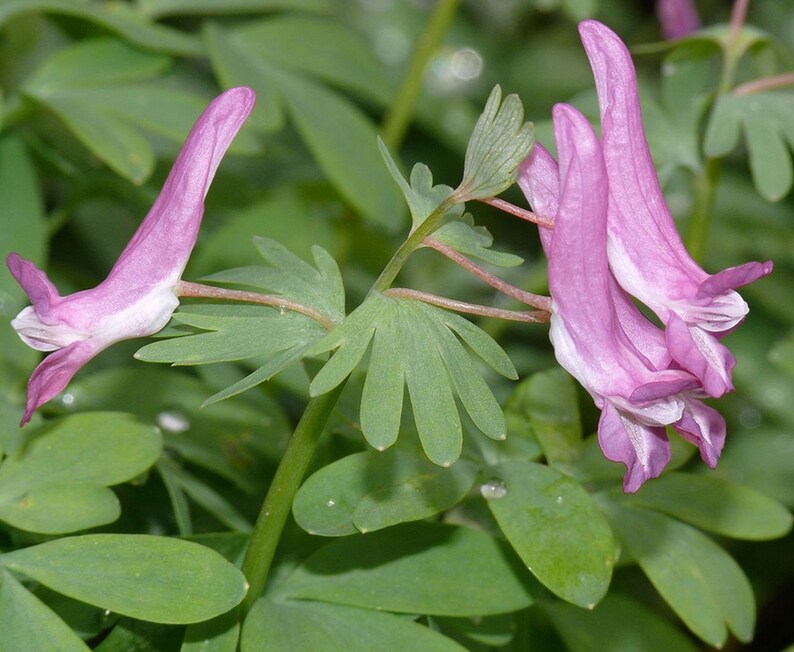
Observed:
{"x":767,"y":120}
{"x":556,"y":528}
{"x":120,"y":19}
{"x":474,"y":241}
{"x":717,"y":505}
{"x":501,"y":140}
{"x":413,"y":343}
{"x":697,"y":578}
{"x":617,"y":624}
{"x":370,"y":491}
{"x":58,"y":482}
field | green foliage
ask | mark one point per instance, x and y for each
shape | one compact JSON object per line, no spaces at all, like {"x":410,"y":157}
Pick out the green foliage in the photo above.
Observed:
{"x":319,"y":627}
{"x":697,"y":578}
{"x":472,"y":574}
{"x":438,"y":369}
{"x":157,"y":579}
{"x":500,"y":142}
{"x":767,"y":122}
{"x":504,"y":547}
{"x":556,"y":528}
{"x":369,"y":491}
{"x":58,"y":482}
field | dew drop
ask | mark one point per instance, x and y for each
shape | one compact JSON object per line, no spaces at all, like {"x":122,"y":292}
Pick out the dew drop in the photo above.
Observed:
{"x":282,"y":310}
{"x":493,"y":490}
{"x":68,"y":399}
{"x":330,"y":503}
{"x":173,"y":421}
{"x":558,"y":500}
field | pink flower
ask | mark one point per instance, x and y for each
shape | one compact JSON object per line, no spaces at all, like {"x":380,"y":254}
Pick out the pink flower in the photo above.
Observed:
{"x":645,"y":250}
{"x":599,"y":336}
{"x":138,"y":296}
{"x":678,"y":18}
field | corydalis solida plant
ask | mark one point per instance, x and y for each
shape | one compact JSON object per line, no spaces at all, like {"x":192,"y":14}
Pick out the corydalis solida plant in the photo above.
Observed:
{"x":139,"y":294}
{"x":598,"y":334}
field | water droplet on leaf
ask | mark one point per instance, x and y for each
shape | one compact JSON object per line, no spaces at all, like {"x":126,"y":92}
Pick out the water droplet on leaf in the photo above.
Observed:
{"x":173,"y":421}
{"x":493,"y":490}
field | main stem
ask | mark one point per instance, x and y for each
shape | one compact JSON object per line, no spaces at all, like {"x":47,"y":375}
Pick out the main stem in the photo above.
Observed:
{"x":278,"y":502}
{"x":399,"y":116}
{"x":706,"y":182}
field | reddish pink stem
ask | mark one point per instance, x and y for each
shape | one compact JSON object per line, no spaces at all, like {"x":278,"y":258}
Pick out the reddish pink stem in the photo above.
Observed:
{"x":532,"y":316}
{"x":187,"y":289}
{"x":765,"y":84}
{"x":534,"y":300}
{"x":519,"y":212}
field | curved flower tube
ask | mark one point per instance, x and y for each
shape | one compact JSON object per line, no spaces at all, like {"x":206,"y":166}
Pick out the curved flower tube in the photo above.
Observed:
{"x":138,"y":296}
{"x":678,"y":18}
{"x":597,"y":332}
{"x":697,"y":308}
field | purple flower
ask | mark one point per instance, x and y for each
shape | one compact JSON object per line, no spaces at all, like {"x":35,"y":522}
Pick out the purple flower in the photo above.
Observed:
{"x":678,"y":18}
{"x":645,"y":250}
{"x":599,"y":336}
{"x":138,"y":296}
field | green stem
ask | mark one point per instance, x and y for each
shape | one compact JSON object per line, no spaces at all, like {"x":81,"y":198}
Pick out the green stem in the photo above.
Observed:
{"x":278,"y":501}
{"x":705,"y":192}
{"x":397,"y":119}
{"x":706,"y":183}
{"x":411,"y":244}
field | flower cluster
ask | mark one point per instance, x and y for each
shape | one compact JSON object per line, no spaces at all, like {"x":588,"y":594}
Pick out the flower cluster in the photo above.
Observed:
{"x":614,"y":238}
{"x":139,"y":294}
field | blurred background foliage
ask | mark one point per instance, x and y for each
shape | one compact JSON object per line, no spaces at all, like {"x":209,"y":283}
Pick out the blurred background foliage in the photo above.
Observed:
{"x":95,"y":100}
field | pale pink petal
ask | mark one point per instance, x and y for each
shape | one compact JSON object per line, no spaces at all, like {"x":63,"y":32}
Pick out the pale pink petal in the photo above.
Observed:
{"x":644,"y":450}
{"x":704,"y":427}
{"x":702,"y":354}
{"x":41,"y":292}
{"x":54,"y":373}
{"x":732,"y":278}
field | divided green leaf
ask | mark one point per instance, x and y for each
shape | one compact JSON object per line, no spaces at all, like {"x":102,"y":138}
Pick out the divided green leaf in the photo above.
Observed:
{"x":59,"y":481}
{"x":474,"y":241}
{"x":420,"y":194}
{"x":697,"y":578}
{"x":717,"y":505}
{"x":370,"y":491}
{"x":419,"y":346}
{"x":275,"y":337}
{"x":28,"y":624}
{"x":767,"y":120}
{"x":556,"y":528}
{"x":500,"y":142}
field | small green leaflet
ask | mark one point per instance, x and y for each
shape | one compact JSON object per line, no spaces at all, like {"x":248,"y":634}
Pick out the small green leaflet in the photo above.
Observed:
{"x":276,"y":337}
{"x":421,"y":195}
{"x":415,"y":344}
{"x":474,"y":241}
{"x":500,"y":142}
{"x":767,"y":120}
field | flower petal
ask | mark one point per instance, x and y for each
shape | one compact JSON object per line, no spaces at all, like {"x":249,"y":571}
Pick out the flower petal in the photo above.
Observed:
{"x":539,"y":179}
{"x":54,"y":373}
{"x":704,"y":427}
{"x":643,"y":449}
{"x":34,"y":282}
{"x":702,"y":354}
{"x":159,"y":250}
{"x":732,"y":278}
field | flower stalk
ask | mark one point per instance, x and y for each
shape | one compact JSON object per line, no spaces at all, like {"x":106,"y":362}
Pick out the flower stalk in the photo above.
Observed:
{"x":199,"y":290}
{"x":529,"y":316}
